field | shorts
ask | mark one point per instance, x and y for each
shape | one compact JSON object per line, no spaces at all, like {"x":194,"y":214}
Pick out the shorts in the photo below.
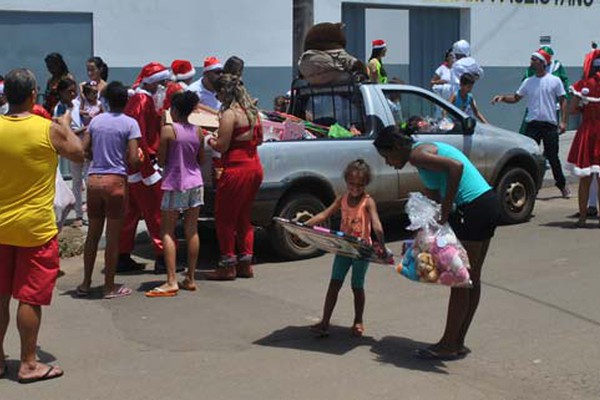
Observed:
{"x":179,"y":201}
{"x":107,"y":196}
{"x":341,"y":265}
{"x":29,"y":273}
{"x":476,"y":221}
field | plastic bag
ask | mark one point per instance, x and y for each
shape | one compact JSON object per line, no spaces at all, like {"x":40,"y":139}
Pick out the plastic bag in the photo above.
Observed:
{"x":337,"y":131}
{"x":435,"y":255}
{"x":64,"y":200}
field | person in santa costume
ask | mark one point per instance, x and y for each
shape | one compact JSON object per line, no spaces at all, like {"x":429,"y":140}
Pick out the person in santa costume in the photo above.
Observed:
{"x":584,"y":155}
{"x":144,"y":185}
{"x":182,"y":74}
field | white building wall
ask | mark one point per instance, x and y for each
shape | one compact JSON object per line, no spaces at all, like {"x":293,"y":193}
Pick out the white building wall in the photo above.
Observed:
{"x":131,"y":32}
{"x":505,"y":33}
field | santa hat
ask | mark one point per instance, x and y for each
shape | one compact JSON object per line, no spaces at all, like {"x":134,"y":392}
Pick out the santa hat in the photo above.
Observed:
{"x":182,"y":70}
{"x":212,"y":63}
{"x":591,"y":60}
{"x":543,"y":56}
{"x":378,"y":44}
{"x":462,"y":47}
{"x":1,"y":88}
{"x":151,"y":73}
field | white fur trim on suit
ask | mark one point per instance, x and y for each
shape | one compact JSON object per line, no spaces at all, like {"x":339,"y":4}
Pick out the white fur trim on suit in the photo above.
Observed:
{"x":183,"y":77}
{"x":157,"y":77}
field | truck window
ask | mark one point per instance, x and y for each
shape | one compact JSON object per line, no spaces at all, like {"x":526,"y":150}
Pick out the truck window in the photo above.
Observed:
{"x":411,"y":106}
{"x":327,"y":108}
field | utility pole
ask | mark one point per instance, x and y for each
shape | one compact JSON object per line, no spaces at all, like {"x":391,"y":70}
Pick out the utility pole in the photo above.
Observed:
{"x":303,"y":19}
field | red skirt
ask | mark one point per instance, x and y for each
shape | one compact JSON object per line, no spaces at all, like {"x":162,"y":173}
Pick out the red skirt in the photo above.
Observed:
{"x":584,"y":155}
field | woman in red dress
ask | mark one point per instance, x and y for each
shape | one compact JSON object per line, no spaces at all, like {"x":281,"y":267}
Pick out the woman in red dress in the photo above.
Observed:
{"x":238,"y":136}
{"x":584,"y":156}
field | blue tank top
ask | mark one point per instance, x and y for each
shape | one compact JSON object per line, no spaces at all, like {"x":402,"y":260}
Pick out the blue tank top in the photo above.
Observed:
{"x":465,"y":105}
{"x":472,"y":183}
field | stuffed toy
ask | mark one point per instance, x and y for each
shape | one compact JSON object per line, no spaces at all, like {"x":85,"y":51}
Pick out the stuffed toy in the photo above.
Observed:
{"x":426,"y":267}
{"x":325,"y":59}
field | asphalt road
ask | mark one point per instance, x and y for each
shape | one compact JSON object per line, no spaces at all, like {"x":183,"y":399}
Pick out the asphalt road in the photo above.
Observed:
{"x":536,"y":335}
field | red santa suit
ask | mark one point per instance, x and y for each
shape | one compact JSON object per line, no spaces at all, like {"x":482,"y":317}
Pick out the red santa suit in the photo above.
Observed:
{"x":145,"y":194}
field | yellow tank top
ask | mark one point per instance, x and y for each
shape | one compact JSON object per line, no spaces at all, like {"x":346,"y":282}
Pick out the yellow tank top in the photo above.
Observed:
{"x":28,"y":162}
{"x":356,"y":220}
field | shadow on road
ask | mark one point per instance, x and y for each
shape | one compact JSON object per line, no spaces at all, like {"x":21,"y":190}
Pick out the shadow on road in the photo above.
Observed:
{"x":300,"y":338}
{"x":398,"y":351}
{"x":392,"y":350}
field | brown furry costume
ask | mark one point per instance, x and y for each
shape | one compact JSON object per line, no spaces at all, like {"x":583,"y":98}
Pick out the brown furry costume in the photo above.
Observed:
{"x":325,"y":59}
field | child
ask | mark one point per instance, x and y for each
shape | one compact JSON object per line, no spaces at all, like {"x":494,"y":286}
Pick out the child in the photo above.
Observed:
{"x":464,"y":100}
{"x":90,"y":105}
{"x":67,"y":93}
{"x":112,"y":141}
{"x":359,"y":215}
{"x":180,"y":153}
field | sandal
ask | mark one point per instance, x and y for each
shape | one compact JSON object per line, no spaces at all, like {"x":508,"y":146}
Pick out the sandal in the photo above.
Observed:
{"x":122,"y":291}
{"x":319,"y":331}
{"x":161,"y":292}
{"x":358,"y":330}
{"x":429,"y":354}
{"x":186,"y":284}
{"x":79,"y":292}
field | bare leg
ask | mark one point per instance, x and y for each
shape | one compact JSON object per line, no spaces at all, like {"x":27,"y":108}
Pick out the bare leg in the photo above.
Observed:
{"x":111,"y":253}
{"x":28,"y":322}
{"x":359,"y":308}
{"x":330,"y":301}
{"x":583,"y":194}
{"x":168,"y":222}
{"x":463,"y":302}
{"x":4,"y":320}
{"x":96,"y":226}
{"x":190,"y":221}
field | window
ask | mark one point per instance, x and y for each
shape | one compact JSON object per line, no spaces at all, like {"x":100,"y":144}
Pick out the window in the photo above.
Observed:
{"x":412,"y":106}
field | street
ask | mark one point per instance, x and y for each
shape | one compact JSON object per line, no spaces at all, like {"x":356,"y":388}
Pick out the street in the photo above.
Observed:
{"x":535,"y":335}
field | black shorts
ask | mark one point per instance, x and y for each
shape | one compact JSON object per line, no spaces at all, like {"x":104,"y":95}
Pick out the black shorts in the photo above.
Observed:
{"x":476,"y":221}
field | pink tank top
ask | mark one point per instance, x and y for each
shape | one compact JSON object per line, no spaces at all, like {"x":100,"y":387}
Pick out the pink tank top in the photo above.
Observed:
{"x":356,"y":220}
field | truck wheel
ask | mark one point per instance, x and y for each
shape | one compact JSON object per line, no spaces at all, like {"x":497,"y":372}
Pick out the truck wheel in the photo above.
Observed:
{"x":516,"y":191}
{"x":296,"y":207}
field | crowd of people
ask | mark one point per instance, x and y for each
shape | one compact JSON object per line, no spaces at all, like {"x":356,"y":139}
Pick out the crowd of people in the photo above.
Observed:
{"x":140,"y":157}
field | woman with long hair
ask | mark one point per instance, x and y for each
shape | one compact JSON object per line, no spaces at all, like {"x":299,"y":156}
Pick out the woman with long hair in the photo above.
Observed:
{"x":97,"y":71}
{"x":237,"y":139}
{"x":377,"y":73}
{"x":58,"y":71}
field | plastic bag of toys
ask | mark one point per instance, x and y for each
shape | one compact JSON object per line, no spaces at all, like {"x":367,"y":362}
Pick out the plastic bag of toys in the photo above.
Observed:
{"x":435,"y":255}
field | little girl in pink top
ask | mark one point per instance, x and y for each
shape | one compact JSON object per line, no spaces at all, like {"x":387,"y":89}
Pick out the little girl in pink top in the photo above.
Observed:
{"x":180,"y":154}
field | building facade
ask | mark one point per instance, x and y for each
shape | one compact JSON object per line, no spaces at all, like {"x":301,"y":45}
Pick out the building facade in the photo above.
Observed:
{"x":127,"y":34}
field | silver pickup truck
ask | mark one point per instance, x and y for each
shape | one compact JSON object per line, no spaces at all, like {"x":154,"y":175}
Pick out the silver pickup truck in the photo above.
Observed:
{"x":302,"y":177}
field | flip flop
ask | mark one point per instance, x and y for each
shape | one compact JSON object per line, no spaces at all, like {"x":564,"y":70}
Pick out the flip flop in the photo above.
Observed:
{"x":187,"y":285}
{"x":122,"y":291}
{"x":44,"y":377}
{"x":428,"y":354}
{"x":319,"y":331}
{"x":160,"y":292}
{"x":79,"y":292}
{"x":358,"y":330}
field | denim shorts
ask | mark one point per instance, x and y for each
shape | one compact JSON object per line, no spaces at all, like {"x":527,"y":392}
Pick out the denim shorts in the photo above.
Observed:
{"x":180,"y":201}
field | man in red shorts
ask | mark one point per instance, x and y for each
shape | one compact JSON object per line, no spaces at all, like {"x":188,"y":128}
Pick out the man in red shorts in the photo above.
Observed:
{"x":28,"y":245}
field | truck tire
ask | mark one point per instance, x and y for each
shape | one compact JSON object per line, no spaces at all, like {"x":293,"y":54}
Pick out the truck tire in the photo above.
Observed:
{"x":296,"y":207}
{"x":516,"y":191}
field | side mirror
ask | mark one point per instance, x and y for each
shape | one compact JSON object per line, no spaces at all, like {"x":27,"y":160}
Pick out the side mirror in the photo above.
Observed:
{"x":469,"y":125}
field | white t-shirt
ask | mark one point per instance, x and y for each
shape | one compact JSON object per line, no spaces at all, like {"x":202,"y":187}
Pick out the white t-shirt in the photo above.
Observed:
{"x":207,"y":97}
{"x":444,"y":89}
{"x":542,"y":94}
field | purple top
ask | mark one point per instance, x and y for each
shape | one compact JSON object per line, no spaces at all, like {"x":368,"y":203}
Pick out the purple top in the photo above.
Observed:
{"x":182,"y":171}
{"x":110,"y":133}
